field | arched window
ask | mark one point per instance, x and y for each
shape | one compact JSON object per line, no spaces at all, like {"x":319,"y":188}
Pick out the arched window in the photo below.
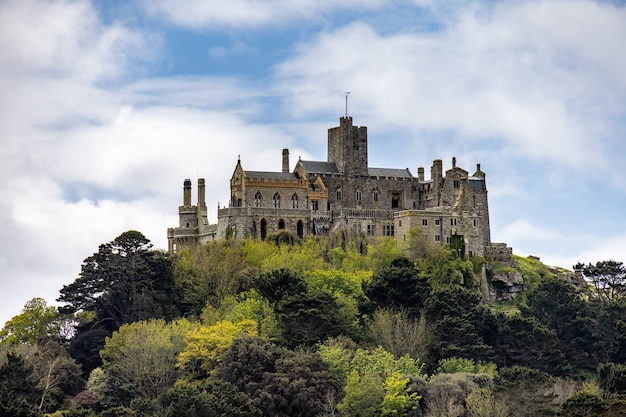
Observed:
{"x":294,"y":201}
{"x":300,"y":229}
{"x":338,"y":193}
{"x":358,"y":195}
{"x":257,"y":199}
{"x":276,"y":201}
{"x":239,"y":202}
{"x":375,"y":195}
{"x":281,"y":224}
{"x":263,"y":228}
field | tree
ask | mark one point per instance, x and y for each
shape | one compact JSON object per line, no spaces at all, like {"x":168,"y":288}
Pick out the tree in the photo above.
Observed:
{"x":36,"y":321}
{"x":397,"y":286}
{"x":18,"y":388}
{"x":364,"y":395}
{"x":528,"y":392}
{"x":482,"y":403}
{"x":56,"y":373}
{"x":125,"y":281}
{"x":558,"y":305}
{"x":609,"y":278}
{"x":209,"y":398}
{"x":397,"y":397}
{"x":583,"y":404}
{"x":399,"y":333}
{"x":280,"y":382}
{"x":143,"y":355}
{"x":205,"y":346}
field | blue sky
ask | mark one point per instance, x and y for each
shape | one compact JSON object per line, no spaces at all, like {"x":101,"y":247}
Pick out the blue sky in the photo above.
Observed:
{"x":108,"y":106}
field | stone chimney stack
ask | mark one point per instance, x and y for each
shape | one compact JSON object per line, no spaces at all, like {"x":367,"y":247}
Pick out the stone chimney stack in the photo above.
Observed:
{"x":420,"y":174}
{"x":436,"y":171}
{"x":201,"y":193}
{"x":285,"y":160}
{"x":187,"y":193}
{"x":454,"y":162}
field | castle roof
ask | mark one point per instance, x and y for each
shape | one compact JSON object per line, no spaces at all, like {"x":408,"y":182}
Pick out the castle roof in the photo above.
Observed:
{"x":389,"y":172}
{"x":319,"y":167}
{"x":273,"y":175}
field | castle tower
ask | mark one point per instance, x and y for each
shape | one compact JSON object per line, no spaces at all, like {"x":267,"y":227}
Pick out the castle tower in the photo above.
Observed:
{"x":202,"y":209}
{"x":347,"y":147}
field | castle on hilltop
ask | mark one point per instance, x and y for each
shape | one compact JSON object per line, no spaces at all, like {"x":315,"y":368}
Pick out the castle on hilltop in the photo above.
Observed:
{"x":343,"y":192}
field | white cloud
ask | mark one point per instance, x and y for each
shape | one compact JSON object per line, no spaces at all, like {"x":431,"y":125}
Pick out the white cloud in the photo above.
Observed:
{"x":198,"y":14}
{"x":546,"y":78}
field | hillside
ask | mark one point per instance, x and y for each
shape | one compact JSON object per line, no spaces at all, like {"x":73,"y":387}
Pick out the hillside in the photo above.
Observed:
{"x":323,"y":327}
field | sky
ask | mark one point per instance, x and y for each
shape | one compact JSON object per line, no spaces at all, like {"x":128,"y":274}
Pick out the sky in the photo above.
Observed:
{"x":107,"y":106}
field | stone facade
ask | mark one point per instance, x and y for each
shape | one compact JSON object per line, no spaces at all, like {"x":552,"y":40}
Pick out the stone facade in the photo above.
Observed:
{"x":321,"y":197}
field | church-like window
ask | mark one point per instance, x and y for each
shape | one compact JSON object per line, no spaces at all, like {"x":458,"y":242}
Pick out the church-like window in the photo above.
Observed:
{"x":358,"y":195}
{"x":338,"y":193}
{"x":294,"y":201}
{"x":375,"y":196}
{"x":257,"y":199}
{"x":276,"y":201}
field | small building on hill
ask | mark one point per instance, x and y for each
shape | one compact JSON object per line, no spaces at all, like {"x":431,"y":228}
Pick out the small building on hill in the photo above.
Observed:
{"x":343,"y":192}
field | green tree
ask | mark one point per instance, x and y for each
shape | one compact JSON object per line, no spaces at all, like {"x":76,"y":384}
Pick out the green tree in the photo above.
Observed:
{"x":142,"y":357}
{"x":482,"y":403}
{"x":205,"y":346}
{"x":397,"y":397}
{"x":397,"y":286}
{"x":125,"y":281}
{"x":608,"y":277}
{"x":364,"y":395}
{"x":36,"y":321}
{"x":583,"y":404}
{"x":19,"y":392}
{"x":280,"y":382}
{"x":559,"y":306}
{"x":209,"y":398}
{"x":528,"y":392}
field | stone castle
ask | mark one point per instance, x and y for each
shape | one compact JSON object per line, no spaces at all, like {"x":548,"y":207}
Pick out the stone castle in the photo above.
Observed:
{"x":343,"y":192}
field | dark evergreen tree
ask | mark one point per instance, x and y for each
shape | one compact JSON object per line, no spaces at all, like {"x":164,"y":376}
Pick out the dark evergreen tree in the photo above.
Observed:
{"x":397,"y":286}
{"x":19,"y":394}
{"x":559,"y":306}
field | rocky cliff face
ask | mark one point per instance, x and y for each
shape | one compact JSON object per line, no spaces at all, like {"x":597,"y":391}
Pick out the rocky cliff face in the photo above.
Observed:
{"x":505,"y":282}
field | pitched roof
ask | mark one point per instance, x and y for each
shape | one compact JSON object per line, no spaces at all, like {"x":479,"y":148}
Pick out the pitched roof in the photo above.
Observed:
{"x":319,"y":167}
{"x":389,"y":172}
{"x":273,"y":175}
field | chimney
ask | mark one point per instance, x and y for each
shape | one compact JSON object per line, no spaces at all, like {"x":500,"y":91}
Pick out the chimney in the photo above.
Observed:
{"x":285,"y":160}
{"x":187,"y":193}
{"x":454,"y":162}
{"x":201,"y":201}
{"x":436,"y":171}
{"x":420,"y":174}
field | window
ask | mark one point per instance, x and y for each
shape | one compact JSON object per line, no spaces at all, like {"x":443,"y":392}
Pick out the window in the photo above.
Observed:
{"x":437,"y":238}
{"x":370,"y":230}
{"x":456,"y":183}
{"x":314,"y":205}
{"x":239,"y":202}
{"x":388,"y":230}
{"x":276,"y":201}
{"x":452,"y":222}
{"x":437,"y":222}
{"x":338,"y":193}
{"x":257,"y":199}
{"x":395,"y":200}
{"x":424,"y":222}
{"x":294,"y":201}
{"x":448,"y":240}
{"x":358,"y":195}
{"x":375,"y":196}
{"x":475,"y":221}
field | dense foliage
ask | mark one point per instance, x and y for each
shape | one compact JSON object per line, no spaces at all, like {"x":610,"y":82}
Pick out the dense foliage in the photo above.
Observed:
{"x":323,"y":327}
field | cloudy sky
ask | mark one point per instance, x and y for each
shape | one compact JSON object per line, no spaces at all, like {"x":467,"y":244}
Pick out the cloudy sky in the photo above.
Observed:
{"x":107,"y":106}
